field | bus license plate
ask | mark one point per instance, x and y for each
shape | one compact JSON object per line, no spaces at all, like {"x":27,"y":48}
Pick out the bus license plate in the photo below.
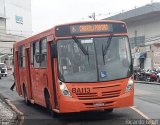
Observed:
{"x":98,"y":104}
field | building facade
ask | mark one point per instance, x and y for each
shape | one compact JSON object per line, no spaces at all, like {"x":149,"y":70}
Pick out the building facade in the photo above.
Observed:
{"x":15,"y":25}
{"x":144,"y":34}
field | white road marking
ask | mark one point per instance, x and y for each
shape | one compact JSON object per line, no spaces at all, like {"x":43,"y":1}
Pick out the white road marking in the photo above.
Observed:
{"x":139,"y":112}
{"x":151,"y":121}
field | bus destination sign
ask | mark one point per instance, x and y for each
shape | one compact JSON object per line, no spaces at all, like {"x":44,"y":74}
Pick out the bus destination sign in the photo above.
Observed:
{"x":89,"y":28}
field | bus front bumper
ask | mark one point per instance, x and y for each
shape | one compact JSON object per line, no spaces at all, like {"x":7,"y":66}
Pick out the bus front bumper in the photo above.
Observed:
{"x":69,"y":104}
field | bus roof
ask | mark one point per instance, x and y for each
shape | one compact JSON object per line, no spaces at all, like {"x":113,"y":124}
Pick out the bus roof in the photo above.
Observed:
{"x":52,"y":31}
{"x":34,"y":37}
{"x":113,"y":21}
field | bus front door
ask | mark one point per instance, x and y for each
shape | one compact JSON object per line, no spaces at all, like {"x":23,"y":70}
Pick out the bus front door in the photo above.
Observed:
{"x":28,"y":74}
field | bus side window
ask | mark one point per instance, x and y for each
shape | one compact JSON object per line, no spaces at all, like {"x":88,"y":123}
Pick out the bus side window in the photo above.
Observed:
{"x":22,"y":57}
{"x":31,"y":56}
{"x":35,"y":52}
{"x":43,"y":49}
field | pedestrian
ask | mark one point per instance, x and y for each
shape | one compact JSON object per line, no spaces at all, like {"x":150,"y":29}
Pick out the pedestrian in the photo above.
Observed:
{"x":12,"y":87}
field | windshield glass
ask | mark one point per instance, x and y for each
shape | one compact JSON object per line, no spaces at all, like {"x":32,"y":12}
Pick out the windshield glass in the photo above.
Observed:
{"x":2,"y":65}
{"x":94,"y":59}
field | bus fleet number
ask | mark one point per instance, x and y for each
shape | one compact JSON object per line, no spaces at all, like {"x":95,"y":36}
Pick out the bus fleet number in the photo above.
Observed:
{"x":81,"y":90}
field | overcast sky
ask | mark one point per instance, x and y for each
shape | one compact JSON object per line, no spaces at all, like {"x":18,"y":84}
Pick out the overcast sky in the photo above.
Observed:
{"x":48,"y":13}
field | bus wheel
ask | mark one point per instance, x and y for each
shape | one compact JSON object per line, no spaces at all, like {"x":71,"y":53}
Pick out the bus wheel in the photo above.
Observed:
{"x":109,"y":110}
{"x":49,"y":106}
{"x":25,"y":96}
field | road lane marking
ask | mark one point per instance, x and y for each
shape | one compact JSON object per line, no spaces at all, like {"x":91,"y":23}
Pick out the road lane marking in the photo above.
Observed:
{"x":152,"y":122}
{"x":139,"y":112}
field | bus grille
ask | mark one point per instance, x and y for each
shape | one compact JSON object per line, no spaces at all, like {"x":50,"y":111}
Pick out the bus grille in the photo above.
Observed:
{"x":101,"y":95}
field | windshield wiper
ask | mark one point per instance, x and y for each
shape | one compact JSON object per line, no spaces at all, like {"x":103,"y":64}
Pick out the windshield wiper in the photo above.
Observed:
{"x":104,"y":51}
{"x":80,"y":45}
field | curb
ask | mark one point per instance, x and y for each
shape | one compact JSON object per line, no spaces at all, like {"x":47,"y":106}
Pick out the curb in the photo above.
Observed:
{"x":144,"y":82}
{"x":18,"y":116}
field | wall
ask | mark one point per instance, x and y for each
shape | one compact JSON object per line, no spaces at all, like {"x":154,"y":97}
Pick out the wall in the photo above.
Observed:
{"x":2,"y":26}
{"x":18,"y":14}
{"x":155,"y":49}
{"x":2,"y":14}
{"x":148,"y":27}
{"x":12,"y":30}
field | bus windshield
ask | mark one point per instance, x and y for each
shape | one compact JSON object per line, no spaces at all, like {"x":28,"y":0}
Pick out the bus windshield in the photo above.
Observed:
{"x":108,"y":58}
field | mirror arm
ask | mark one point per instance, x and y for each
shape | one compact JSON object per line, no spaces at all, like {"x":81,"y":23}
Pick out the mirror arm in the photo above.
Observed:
{"x":54,"y":53}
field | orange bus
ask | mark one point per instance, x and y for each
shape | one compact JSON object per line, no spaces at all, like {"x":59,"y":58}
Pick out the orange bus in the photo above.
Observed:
{"x":76,"y":67}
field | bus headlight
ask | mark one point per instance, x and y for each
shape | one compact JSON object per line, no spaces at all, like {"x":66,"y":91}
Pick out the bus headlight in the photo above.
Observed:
{"x":129,"y":85}
{"x":64,"y":89}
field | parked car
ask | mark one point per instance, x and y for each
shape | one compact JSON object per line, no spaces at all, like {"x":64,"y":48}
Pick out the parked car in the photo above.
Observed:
{"x":3,"y":69}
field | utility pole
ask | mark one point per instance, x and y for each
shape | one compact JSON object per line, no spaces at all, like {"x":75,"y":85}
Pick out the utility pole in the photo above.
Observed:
{"x":93,"y":16}
{"x":135,"y":38}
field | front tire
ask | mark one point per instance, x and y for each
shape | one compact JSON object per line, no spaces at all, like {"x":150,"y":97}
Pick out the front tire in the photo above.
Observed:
{"x":49,"y":106}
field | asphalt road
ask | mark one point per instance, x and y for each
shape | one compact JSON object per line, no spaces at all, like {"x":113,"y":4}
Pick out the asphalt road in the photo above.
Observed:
{"x":147,"y":104}
{"x":147,"y":99}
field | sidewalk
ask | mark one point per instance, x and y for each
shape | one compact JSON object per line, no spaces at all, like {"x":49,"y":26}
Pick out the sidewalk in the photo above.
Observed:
{"x":144,"y":82}
{"x":7,"y":115}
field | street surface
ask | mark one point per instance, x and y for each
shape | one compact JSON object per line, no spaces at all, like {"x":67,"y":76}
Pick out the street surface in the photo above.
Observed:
{"x":147,"y":99}
{"x":147,"y":104}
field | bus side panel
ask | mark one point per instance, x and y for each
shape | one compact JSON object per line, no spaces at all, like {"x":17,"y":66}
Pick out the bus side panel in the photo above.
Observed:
{"x":43,"y":83}
{"x":16,"y":73}
{"x":23,"y":79}
{"x":34,"y":83}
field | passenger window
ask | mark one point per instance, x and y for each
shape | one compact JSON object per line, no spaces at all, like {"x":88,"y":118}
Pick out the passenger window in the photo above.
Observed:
{"x":44,"y":53}
{"x":35,"y":52}
{"x":39,"y":48}
{"x":22,"y":57}
{"x":31,"y":57}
